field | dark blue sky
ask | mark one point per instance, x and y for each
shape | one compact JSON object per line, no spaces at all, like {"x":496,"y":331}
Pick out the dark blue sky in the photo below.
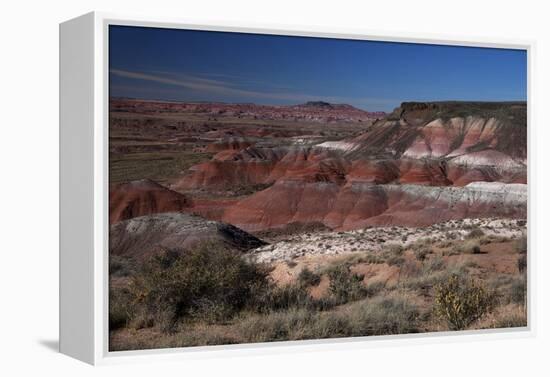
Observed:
{"x":170,"y":64}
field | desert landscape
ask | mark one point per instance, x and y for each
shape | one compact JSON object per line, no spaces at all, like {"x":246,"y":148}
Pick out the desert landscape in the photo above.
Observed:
{"x":240,"y":222}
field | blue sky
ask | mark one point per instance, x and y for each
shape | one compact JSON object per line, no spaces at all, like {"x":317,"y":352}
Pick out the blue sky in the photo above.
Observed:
{"x":185,"y":65}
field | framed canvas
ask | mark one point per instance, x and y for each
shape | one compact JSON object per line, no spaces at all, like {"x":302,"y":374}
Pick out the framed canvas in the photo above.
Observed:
{"x":237,"y":189}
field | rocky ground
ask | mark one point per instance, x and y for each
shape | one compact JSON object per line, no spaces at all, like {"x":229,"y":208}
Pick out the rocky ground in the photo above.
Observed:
{"x":375,"y":239}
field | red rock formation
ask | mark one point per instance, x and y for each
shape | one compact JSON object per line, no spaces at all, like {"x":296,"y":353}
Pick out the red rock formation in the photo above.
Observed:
{"x":357,"y":205}
{"x":418,"y":167}
{"x":253,"y":166}
{"x":144,"y":197}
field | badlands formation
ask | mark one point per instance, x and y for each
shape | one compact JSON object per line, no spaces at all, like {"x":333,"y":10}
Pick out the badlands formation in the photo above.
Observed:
{"x":353,"y":219}
{"x":265,"y":167}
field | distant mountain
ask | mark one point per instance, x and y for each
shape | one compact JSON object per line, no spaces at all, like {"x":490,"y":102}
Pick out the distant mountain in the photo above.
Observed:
{"x":325,"y":106}
{"x":315,"y":111}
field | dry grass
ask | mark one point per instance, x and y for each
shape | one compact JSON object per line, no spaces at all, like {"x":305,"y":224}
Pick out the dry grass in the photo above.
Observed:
{"x":350,"y":304}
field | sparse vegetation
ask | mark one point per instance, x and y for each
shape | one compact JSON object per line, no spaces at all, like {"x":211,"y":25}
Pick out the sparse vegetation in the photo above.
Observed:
{"x":308,"y":278}
{"x":208,"y":282}
{"x":422,"y":253}
{"x":469,"y":246}
{"x":345,"y":285}
{"x":461,"y":302}
{"x":155,"y":165}
{"x":476,"y":232}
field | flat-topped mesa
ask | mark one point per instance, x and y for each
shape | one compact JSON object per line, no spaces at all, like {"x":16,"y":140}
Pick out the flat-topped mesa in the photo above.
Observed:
{"x":461,"y":133}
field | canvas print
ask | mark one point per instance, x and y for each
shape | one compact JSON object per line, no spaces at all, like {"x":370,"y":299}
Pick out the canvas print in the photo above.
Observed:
{"x":274,"y":188}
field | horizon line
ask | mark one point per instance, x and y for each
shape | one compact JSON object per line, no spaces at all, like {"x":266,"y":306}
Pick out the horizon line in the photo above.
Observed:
{"x":516,"y":101}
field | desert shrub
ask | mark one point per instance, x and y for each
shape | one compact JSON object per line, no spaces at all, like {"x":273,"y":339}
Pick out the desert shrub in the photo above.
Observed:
{"x":445,"y":243}
{"x":395,"y":260}
{"x":281,"y":298}
{"x":282,"y":325}
{"x":121,"y":308}
{"x":166,"y":258}
{"x":492,"y":239}
{"x":371,"y":259}
{"x":461,"y":302}
{"x":450,"y":235}
{"x":372,"y":289}
{"x":470,"y":246}
{"x":383,"y":316}
{"x":475,"y":233}
{"x":377,"y":316}
{"x":409,"y":268}
{"x":209,"y":282}
{"x":120,"y":266}
{"x":308,"y":278}
{"x":394,"y":249}
{"x":422,"y":253}
{"x":344,"y":285}
{"x":510,"y":320}
{"x":500,"y":283}
{"x":433,"y":264}
{"x":329,"y":325}
{"x":433,"y":274}
{"x":522,"y":263}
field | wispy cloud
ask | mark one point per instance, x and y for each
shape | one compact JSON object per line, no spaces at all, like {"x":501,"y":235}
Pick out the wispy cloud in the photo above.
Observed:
{"x":226,"y":89}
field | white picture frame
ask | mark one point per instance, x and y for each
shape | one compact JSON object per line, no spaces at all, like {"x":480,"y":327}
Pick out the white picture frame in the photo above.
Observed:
{"x":84,"y":192}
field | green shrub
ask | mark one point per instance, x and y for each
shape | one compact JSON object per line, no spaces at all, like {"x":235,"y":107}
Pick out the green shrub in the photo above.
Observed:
{"x":461,"y":302}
